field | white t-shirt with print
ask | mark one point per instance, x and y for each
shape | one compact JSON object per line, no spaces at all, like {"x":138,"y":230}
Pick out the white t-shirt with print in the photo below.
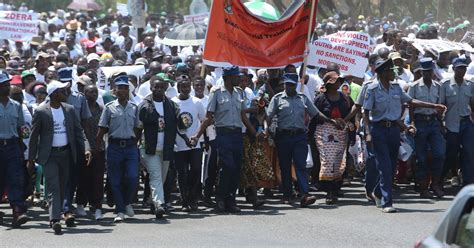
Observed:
{"x":191,"y":113}
{"x":59,"y":131}
{"x":161,"y":125}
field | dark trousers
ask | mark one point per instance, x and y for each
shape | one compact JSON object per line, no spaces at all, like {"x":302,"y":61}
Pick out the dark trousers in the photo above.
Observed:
{"x":386,"y":142}
{"x":293,"y":149}
{"x":454,"y":141}
{"x":371,"y":173}
{"x":91,"y":184}
{"x":122,"y":172}
{"x":12,"y":177}
{"x":429,"y":135}
{"x":170,"y":183}
{"x":56,"y":175}
{"x":74,"y":175}
{"x":230,"y":147}
{"x":188,"y":165}
{"x":212,"y":169}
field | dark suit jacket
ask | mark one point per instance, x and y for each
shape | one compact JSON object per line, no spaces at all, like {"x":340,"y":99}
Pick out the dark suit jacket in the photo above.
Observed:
{"x":41,"y":138}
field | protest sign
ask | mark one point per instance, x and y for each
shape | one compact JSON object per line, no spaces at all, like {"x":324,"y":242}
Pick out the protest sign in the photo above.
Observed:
{"x":199,"y":18}
{"x":137,"y":10}
{"x":122,"y":9}
{"x":237,"y":37}
{"x":20,"y":26}
{"x":347,"y":49}
{"x":438,"y":46}
{"x":104,"y":73}
{"x":468,"y":38}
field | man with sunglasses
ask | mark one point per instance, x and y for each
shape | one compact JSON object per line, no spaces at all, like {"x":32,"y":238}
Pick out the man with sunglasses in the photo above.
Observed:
{"x":56,"y":136}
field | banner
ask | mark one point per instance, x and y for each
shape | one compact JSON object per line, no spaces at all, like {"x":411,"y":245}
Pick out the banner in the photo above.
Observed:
{"x":137,"y":9}
{"x":199,"y":18}
{"x":18,"y":26}
{"x":439,"y":46}
{"x":346,"y":48}
{"x":104,"y":73}
{"x":237,"y":37}
{"x":122,"y":9}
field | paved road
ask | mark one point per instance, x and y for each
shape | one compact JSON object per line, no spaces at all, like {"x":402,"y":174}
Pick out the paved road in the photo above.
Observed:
{"x":353,"y":223}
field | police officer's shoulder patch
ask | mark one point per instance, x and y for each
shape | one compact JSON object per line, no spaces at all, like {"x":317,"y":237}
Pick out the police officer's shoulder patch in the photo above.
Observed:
{"x":214,"y":88}
{"x":133,"y":103}
{"x":372,"y":86}
{"x":445,"y":80}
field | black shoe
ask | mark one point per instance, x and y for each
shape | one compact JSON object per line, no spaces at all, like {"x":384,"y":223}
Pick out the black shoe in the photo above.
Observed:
{"x":19,"y":220}
{"x":56,"y":226}
{"x":152,"y":209}
{"x":1,"y":217}
{"x":220,"y":207}
{"x":193,"y":206}
{"x":233,"y":209}
{"x":160,"y":211}
{"x":258,"y":204}
{"x":185,"y":208}
{"x":69,"y":219}
{"x":208,"y":202}
{"x":307,"y":200}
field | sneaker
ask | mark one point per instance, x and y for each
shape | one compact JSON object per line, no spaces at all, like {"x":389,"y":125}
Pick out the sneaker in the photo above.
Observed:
{"x":378,"y":201}
{"x":56,"y":226}
{"x":129,"y":210}
{"x":80,"y":211}
{"x":169,"y":207}
{"x":159,"y":212}
{"x":455,"y":181}
{"x":120,"y":217}
{"x":70,"y":220}
{"x":389,"y":210}
{"x":98,"y":215}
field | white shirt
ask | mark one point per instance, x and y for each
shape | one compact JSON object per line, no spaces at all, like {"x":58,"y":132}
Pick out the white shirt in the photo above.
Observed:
{"x":191,"y":113}
{"x":161,"y":125}
{"x":26,"y":129}
{"x":211,"y":129}
{"x":59,"y":131}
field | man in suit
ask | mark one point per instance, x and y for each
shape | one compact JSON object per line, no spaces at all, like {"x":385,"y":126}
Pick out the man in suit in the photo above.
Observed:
{"x":56,"y":137}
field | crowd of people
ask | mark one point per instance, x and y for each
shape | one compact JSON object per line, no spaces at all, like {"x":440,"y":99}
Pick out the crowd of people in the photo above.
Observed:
{"x":67,"y":141}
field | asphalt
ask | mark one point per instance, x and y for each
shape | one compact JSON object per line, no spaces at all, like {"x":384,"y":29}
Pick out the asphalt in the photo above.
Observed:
{"x":353,"y":222}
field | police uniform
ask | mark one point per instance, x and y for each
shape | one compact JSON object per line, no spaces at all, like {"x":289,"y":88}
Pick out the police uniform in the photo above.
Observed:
{"x":12,"y":173}
{"x":385,"y":108}
{"x":429,"y":129}
{"x":227,"y":107}
{"x":459,"y":125}
{"x":122,"y":151}
{"x":291,"y":139}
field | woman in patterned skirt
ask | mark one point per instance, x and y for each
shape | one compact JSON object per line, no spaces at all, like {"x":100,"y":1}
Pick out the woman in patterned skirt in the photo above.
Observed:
{"x":330,"y":140}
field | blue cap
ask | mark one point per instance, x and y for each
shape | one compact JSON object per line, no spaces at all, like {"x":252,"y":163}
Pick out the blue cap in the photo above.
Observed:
{"x":382,"y":65}
{"x":459,"y":62}
{"x":426,"y":64}
{"x":121,"y":80}
{"x":4,"y":77}
{"x":290,"y":78}
{"x":65,"y":74}
{"x":231,"y":71}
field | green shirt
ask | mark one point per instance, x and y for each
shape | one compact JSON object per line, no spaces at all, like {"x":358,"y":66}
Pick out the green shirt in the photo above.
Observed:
{"x":108,"y":97}
{"x":355,"y":91}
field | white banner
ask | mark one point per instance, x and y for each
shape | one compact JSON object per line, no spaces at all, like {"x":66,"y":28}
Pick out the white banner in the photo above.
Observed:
{"x":20,"y":26}
{"x":199,"y":18}
{"x":439,"y":46}
{"x":347,"y":49}
{"x":137,"y":9}
{"x":104,"y":73}
{"x":122,"y":8}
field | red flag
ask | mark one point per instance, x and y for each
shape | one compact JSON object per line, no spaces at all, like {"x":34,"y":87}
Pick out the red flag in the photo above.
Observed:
{"x":237,"y":37}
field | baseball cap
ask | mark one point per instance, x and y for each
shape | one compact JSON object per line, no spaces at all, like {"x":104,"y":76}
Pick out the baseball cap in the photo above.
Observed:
{"x":459,"y":62}
{"x":84,"y":80}
{"x":54,"y":85}
{"x":426,"y":64}
{"x":290,"y":78}
{"x":382,"y":65}
{"x":163,"y":77}
{"x":121,"y":80}
{"x":331,"y":77}
{"x":231,"y":71}
{"x":42,"y":55}
{"x":65,"y":74}
{"x":92,"y":57}
{"x":27,"y":73}
{"x":4,"y":77}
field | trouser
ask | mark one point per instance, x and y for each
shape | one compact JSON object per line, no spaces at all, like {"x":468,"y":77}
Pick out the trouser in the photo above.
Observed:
{"x":429,"y":135}
{"x":293,"y":148}
{"x":212,"y":169}
{"x":188,"y":165}
{"x":12,"y":176}
{"x":56,"y":174}
{"x":371,"y":173}
{"x":230,"y":148}
{"x":91,"y":184}
{"x":170,"y":181}
{"x":386,"y":142}
{"x":122,"y":172}
{"x":454,"y":141}
{"x":74,"y":175}
{"x":157,"y":170}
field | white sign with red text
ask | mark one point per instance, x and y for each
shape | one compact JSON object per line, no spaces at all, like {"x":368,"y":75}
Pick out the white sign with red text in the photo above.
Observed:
{"x":18,"y":26}
{"x":199,"y":18}
{"x":346,"y":48}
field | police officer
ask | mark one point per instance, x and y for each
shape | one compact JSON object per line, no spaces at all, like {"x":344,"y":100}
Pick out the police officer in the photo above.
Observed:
{"x":226,"y":107}
{"x":120,"y":120}
{"x":383,"y":109}
{"x":290,"y":107}
{"x":457,"y":94}
{"x":428,"y":131}
{"x":12,"y":175}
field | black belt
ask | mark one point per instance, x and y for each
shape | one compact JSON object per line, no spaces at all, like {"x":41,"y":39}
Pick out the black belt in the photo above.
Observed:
{"x":5,"y":142}
{"x":385,"y":123}
{"x":290,"y":132}
{"x":228,"y":129}
{"x":60,"y":148}
{"x":420,"y":117}
{"x":122,"y":142}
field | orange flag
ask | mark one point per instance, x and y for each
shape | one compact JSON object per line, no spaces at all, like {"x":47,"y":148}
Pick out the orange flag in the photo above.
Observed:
{"x":237,"y":37}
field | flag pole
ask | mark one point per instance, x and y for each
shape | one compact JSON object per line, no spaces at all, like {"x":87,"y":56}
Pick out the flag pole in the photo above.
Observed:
{"x":308,"y":41}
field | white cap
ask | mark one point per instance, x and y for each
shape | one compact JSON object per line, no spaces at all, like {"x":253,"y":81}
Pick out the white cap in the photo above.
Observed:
{"x":54,"y":85}
{"x":92,"y":56}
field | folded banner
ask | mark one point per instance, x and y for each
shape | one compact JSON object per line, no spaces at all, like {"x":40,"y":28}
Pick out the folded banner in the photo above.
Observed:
{"x":438,"y":46}
{"x":237,"y":37}
{"x":104,"y":73}
{"x":346,"y":48}
{"x":18,"y":26}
